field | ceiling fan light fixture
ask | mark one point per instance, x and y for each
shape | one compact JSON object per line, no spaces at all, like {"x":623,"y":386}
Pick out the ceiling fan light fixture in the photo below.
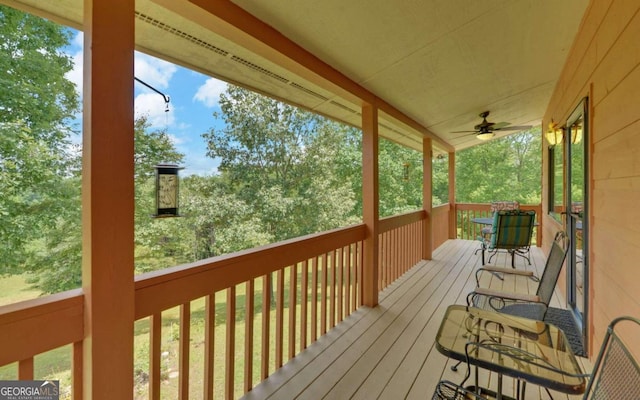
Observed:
{"x":485,"y":135}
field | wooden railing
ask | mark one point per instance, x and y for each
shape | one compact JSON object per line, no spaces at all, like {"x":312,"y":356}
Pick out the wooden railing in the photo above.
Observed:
{"x":257,"y":309}
{"x":217,"y":327}
{"x":400,"y":245}
{"x":440,"y":224}
{"x":36,"y":326}
{"x":467,"y":229}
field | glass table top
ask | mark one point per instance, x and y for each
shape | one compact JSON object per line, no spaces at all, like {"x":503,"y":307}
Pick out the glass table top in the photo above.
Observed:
{"x":519,"y":347}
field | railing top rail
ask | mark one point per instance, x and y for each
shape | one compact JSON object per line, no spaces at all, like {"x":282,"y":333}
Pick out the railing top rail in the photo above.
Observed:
{"x":388,"y":223}
{"x":160,"y":290}
{"x":34,"y":326}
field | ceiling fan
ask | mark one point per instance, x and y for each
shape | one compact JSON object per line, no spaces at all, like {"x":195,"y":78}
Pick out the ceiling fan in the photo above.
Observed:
{"x":485,"y":129}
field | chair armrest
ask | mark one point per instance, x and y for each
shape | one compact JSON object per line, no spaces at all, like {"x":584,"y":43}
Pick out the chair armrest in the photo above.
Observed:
{"x":503,"y":270}
{"x":530,"y":298}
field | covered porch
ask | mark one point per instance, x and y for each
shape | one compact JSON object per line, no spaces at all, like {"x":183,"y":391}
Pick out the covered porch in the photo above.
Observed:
{"x":376,"y":281}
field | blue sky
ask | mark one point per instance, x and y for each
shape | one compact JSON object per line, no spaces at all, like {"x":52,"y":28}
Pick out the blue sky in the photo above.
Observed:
{"x":194,"y":98}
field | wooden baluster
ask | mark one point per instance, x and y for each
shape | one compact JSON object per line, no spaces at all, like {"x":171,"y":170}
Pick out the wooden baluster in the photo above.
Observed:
{"x":354,"y":283}
{"x":209,"y":345}
{"x":359,"y":274}
{"x":314,"y":299}
{"x":332,"y":291}
{"x":293,"y":289}
{"x":339,"y":283}
{"x":304,"y":303}
{"x":394,"y":253}
{"x":185,"y":339}
{"x":402,"y":247}
{"x":324,"y":288}
{"x":155,"y":356}
{"x":231,"y":344}
{"x":248,"y":335}
{"x":279,"y":318}
{"x":410,"y":246}
{"x":25,"y":369}
{"x":76,"y":372}
{"x":348,"y":289}
{"x":392,"y":257}
{"x":383,"y":265}
{"x":266,"y":325}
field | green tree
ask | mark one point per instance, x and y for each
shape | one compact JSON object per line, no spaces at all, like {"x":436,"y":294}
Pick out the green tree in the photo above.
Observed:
{"x":400,"y":178}
{"x":219,"y":222}
{"x":55,"y":256}
{"x":280,"y":161}
{"x":440,"y":186}
{"x":36,"y":105}
{"x":157,"y":244}
{"x":503,"y":169}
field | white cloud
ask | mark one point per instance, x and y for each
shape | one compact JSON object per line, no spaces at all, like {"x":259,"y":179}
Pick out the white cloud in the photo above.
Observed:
{"x":200,"y":164}
{"x":75,"y":75}
{"x":153,"y":71}
{"x":153,"y":106}
{"x":209,"y":93}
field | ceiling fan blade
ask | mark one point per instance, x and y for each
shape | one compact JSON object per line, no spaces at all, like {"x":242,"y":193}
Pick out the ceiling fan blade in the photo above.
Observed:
{"x":500,"y":125}
{"x":513,"y":128}
{"x":463,"y":131}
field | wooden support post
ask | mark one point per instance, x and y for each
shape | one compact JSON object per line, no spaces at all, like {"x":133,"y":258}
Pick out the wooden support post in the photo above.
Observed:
{"x":370,"y":203}
{"x":108,"y":199}
{"x":427,"y":201}
{"x":453,"y":212}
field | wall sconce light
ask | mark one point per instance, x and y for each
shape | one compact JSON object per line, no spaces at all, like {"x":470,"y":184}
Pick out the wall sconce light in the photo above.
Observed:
{"x":576,"y":133}
{"x":167,"y":190}
{"x":554,"y":134}
{"x":405,"y":171}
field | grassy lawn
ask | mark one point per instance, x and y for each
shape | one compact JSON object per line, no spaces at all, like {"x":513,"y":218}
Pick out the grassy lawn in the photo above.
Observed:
{"x":15,"y":288}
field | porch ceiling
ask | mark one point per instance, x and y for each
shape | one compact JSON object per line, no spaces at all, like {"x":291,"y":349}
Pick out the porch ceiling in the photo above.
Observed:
{"x":440,"y":62}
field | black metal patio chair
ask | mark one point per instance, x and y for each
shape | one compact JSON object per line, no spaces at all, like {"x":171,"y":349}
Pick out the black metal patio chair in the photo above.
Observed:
{"x":521,"y":304}
{"x":616,"y":373}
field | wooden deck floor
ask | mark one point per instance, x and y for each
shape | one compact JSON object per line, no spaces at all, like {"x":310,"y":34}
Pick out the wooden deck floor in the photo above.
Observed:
{"x":388,"y":352}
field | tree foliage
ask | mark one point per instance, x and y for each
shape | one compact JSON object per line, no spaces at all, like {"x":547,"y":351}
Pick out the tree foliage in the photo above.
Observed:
{"x":503,"y":169}
{"x":400,"y":179}
{"x":36,"y":103}
{"x":280,"y":161}
{"x":55,"y":257}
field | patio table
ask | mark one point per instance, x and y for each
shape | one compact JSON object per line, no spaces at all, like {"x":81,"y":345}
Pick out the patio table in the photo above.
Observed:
{"x":489,"y":221}
{"x":525,"y":349}
{"x":483,"y":220}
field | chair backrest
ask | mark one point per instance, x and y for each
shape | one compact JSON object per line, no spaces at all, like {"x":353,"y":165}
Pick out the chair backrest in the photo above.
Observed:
{"x":552,"y":267}
{"x":616,"y":374}
{"x":513,"y":229}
